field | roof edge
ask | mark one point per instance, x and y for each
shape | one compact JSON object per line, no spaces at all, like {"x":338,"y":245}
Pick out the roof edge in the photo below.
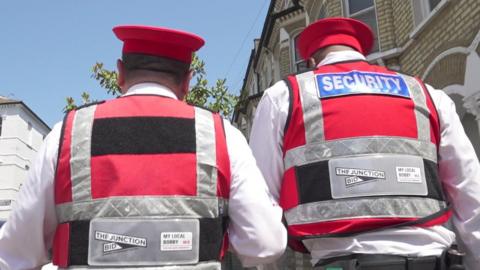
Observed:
{"x":30,"y":111}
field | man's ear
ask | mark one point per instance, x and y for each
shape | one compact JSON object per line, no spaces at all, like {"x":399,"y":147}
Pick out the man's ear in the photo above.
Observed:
{"x":185,"y":87}
{"x":121,"y":74}
{"x":311,"y":63}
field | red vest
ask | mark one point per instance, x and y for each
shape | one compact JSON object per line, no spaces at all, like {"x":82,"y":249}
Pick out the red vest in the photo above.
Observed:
{"x":140,"y":156}
{"x":360,"y":152}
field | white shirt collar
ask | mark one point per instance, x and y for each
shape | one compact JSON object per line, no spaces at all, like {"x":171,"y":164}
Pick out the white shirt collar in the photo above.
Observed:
{"x":150,"y":89}
{"x":340,"y":56}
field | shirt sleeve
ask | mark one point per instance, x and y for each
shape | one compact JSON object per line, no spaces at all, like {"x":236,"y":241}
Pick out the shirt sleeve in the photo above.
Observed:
{"x":26,"y":237}
{"x":266,"y":137}
{"x":459,"y":171}
{"x":256,"y":232}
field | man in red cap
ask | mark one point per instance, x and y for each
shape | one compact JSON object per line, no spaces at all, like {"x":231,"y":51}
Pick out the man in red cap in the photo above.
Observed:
{"x":144,"y":181}
{"x":367,"y":163}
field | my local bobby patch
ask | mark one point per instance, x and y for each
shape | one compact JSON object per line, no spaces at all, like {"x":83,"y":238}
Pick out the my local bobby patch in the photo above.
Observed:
{"x":357,"y":82}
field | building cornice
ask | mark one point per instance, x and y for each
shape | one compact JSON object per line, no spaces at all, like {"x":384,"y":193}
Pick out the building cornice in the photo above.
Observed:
{"x":243,"y":104}
{"x":269,"y":25}
{"x":28,"y":110}
{"x":247,"y":72}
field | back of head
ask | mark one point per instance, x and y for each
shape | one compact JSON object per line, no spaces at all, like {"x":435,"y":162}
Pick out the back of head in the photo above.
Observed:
{"x":155,"y":54}
{"x":150,"y":68}
{"x":330,"y":32}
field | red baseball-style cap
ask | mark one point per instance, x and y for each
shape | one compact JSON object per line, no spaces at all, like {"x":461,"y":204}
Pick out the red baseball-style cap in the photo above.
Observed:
{"x":158,"y":41}
{"x":335,"y":31}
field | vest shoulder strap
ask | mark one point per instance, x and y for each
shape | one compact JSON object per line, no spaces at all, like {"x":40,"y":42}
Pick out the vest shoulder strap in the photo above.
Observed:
{"x":90,"y":104}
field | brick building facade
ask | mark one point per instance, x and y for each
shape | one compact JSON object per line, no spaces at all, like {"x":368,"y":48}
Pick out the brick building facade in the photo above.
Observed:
{"x":436,"y":40}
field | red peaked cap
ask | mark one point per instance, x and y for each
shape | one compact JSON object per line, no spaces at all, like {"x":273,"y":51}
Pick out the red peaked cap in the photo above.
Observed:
{"x":158,"y":41}
{"x":335,"y":31}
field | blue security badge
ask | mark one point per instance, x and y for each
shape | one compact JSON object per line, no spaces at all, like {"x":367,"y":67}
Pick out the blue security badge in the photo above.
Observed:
{"x":356,"y":82}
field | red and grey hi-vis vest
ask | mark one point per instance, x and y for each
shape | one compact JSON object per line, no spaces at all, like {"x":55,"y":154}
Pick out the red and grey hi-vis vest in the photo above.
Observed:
{"x":141,"y":156}
{"x":360,"y":152}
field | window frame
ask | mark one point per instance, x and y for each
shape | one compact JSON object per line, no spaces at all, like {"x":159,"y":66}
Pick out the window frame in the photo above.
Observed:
{"x":422,"y":10}
{"x":422,"y":5}
{"x":30,"y":133}
{"x":322,"y":12}
{"x":363,"y":12}
{"x":293,"y":52}
{"x":287,"y":4}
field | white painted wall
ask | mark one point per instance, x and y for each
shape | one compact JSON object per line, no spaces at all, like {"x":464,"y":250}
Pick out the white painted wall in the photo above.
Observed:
{"x":18,"y":146}
{"x":49,"y":267}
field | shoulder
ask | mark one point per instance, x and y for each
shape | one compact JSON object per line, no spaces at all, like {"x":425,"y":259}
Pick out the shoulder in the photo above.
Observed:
{"x":442,"y":101}
{"x":277,"y":89}
{"x":49,"y":149}
{"x":277,"y":95}
{"x":232,"y":133}
{"x":54,"y":134}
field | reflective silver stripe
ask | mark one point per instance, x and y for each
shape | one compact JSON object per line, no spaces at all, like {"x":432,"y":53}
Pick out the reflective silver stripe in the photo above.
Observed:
{"x":80,"y":153}
{"x":363,"y":208}
{"x":355,"y":146}
{"x":421,"y":109}
{"x":210,"y":265}
{"x":312,"y":107}
{"x":206,"y":153}
{"x":165,"y":206}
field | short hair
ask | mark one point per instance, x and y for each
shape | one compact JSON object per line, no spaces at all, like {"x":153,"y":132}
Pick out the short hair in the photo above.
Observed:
{"x":134,"y":63}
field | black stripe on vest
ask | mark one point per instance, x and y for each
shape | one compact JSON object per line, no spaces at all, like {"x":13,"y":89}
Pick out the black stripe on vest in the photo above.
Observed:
{"x":143,"y":135}
{"x":313,"y":182}
{"x":212,"y":231}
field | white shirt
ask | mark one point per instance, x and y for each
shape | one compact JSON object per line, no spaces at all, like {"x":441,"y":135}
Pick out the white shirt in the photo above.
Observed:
{"x":459,"y":173}
{"x":255,"y":230}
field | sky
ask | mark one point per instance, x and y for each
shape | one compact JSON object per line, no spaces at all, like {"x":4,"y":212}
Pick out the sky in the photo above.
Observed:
{"x":48,"y":48}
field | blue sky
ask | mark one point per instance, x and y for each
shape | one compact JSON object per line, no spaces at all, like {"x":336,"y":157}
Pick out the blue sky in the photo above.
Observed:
{"x":47,"y":48}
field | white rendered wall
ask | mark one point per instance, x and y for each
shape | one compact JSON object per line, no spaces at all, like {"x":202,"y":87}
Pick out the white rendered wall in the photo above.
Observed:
{"x":18,"y":146}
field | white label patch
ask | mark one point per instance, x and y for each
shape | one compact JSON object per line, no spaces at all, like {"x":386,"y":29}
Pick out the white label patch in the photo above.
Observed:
{"x":359,"y":176}
{"x":173,"y":241}
{"x":121,"y":239}
{"x":360,"y":172}
{"x":409,"y":174}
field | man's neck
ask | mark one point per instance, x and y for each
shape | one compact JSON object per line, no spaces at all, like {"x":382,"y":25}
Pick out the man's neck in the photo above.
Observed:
{"x":321,"y":54}
{"x":151,"y":89}
{"x":341,"y":56}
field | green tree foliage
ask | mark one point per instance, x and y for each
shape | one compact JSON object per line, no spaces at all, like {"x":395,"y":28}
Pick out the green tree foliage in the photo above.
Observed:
{"x":216,"y":97}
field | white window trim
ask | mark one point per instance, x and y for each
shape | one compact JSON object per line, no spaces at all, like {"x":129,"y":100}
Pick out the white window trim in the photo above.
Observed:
{"x":421,"y":8}
{"x":361,"y":12}
{"x":418,"y":29}
{"x":441,"y":56}
{"x":293,"y":61}
{"x":286,"y":3}
{"x":276,"y":65}
{"x":385,"y":54}
{"x":268,"y":74}
{"x":323,"y":7}
{"x":252,"y":88}
{"x":30,"y":133}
